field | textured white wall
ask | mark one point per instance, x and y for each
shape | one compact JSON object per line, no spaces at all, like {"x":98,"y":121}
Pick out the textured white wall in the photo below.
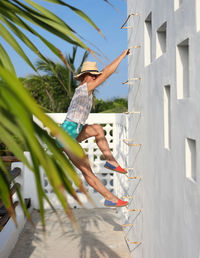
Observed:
{"x":168,"y":97}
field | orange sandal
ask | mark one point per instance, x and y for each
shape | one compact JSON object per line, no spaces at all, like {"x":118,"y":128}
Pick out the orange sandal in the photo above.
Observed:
{"x":120,"y":203}
{"x":116,"y":169}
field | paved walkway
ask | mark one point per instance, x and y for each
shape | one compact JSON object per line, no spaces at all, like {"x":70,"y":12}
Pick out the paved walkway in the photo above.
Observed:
{"x":101,"y":236}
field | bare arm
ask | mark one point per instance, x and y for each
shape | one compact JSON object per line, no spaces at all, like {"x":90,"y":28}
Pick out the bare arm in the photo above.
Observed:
{"x":107,"y":71}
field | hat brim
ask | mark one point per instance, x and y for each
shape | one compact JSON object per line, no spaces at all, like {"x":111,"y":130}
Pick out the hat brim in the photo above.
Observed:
{"x":78,"y":76}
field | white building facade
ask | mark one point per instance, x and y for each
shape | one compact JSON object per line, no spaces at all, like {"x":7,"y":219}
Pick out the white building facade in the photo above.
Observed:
{"x":163,"y":81}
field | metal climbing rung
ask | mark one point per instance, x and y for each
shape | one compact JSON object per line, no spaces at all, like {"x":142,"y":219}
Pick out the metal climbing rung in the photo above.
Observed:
{"x":133,"y":177}
{"x":127,"y":225}
{"x":127,"y":141}
{"x":131,"y":80}
{"x":136,"y":46}
{"x":133,"y":209}
{"x":127,"y":197}
{"x":132,"y":112}
{"x":133,"y":47}
{"x":133,"y":242}
{"x":128,"y":27}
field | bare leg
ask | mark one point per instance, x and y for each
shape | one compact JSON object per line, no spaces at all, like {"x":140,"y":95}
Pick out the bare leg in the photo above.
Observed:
{"x":84,"y":166}
{"x":97,"y":131}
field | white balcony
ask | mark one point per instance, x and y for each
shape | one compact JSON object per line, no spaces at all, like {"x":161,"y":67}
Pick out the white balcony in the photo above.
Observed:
{"x":114,"y":126}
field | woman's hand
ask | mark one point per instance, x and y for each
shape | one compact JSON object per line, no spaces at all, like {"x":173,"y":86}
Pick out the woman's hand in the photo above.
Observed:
{"x":107,"y":71}
{"x":126,"y":52}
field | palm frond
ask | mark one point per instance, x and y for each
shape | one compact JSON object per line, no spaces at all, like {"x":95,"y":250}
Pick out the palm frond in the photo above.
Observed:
{"x":17,"y":107}
{"x":21,"y":107}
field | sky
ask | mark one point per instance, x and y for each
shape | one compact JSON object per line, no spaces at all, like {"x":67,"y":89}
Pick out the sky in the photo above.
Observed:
{"x":109,"y":20}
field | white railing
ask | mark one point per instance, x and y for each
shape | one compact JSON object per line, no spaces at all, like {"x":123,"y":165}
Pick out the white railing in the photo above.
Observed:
{"x":116,"y":129}
{"x":114,"y":126}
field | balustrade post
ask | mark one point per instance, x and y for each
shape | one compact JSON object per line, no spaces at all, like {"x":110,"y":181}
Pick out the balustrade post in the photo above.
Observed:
{"x":30,"y":190}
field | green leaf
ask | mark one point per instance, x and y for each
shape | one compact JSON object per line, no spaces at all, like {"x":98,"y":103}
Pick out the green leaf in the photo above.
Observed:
{"x":21,"y":199}
{"x":4,"y":186}
{"x":4,"y":33}
{"x":5,"y":60}
{"x":78,"y":12}
{"x":23,"y":38}
{"x":30,"y":105}
{"x":8,"y":121}
{"x":38,"y":182}
{"x":58,"y":154}
{"x":47,"y":13}
{"x":8,"y":139}
{"x":59,"y":189}
{"x":14,"y":18}
{"x":46,"y":23}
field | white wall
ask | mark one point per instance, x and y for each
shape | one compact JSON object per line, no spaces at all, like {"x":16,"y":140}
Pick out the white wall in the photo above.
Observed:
{"x":10,"y":233}
{"x":168,"y":97}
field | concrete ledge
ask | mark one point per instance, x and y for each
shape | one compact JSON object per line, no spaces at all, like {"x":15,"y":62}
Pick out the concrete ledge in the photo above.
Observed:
{"x":10,"y":234}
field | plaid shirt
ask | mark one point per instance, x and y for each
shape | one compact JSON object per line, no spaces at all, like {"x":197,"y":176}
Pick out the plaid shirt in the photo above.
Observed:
{"x":80,"y":105}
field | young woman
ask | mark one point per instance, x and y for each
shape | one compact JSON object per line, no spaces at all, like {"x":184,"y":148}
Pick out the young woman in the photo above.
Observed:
{"x":74,"y":125}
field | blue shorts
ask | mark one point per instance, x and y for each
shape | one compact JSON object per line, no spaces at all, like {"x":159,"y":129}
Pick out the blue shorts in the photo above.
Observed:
{"x":72,"y":128}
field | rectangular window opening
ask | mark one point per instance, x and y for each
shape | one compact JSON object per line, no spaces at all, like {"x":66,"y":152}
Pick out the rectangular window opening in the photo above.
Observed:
{"x":197,"y":15}
{"x":148,"y":39}
{"x":177,"y":4}
{"x":167,"y":117}
{"x":161,"y":40}
{"x":182,"y":69}
{"x":190,"y":158}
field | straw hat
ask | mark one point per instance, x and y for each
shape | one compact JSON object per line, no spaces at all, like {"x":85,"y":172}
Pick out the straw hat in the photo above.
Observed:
{"x":88,"y":67}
